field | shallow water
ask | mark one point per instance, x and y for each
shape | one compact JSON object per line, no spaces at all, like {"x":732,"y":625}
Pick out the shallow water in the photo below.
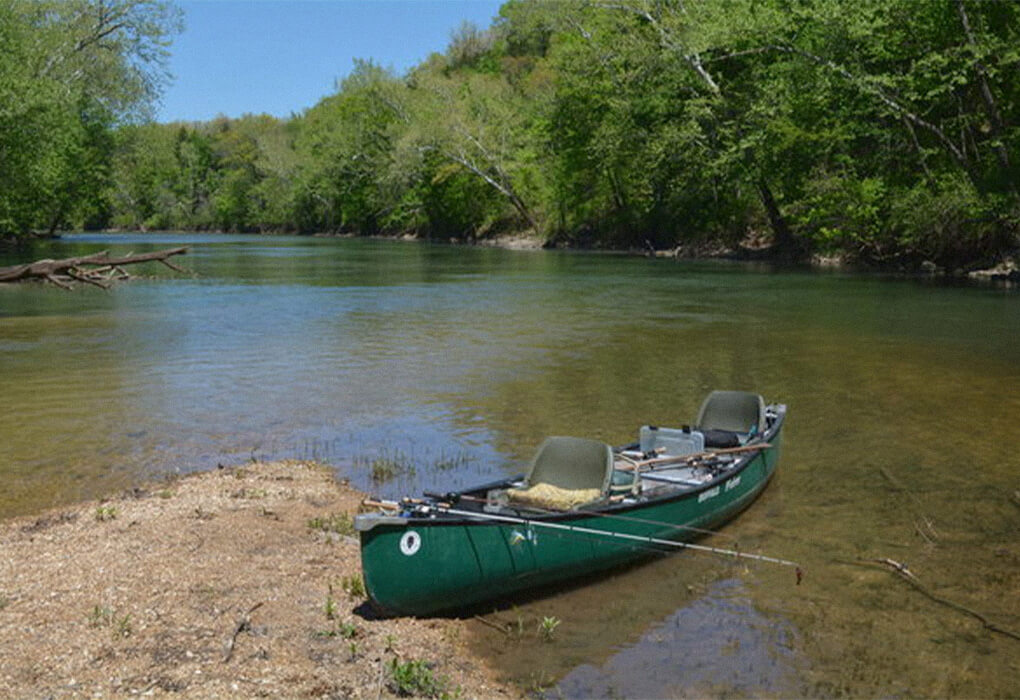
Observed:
{"x":447,"y":365}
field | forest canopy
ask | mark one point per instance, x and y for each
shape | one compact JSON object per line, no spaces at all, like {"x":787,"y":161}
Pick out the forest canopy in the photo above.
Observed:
{"x":71,"y":71}
{"x":879,"y":130}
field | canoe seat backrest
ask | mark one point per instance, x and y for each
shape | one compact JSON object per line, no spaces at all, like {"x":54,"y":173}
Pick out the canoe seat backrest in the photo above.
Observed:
{"x":735,"y":411}
{"x":572,"y":463}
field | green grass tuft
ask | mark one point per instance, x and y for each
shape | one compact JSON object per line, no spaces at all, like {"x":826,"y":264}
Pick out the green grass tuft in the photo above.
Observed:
{"x":414,"y":678}
{"x":354,"y":585}
{"x":339,"y":523}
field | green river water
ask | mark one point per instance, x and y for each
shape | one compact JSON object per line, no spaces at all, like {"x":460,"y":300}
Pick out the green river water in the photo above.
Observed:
{"x":453,"y":363}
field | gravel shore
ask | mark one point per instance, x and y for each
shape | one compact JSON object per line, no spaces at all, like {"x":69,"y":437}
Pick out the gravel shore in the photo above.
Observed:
{"x":243,"y":582}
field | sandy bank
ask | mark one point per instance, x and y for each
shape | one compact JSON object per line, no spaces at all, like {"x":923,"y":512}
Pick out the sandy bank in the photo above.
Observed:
{"x":220,"y":584}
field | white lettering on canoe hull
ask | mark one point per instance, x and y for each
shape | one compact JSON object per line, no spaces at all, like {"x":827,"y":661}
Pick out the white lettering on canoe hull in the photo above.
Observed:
{"x":711,"y":493}
{"x":733,"y":483}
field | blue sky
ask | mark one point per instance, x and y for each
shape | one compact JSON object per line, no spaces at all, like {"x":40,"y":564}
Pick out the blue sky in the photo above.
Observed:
{"x":281,"y":56}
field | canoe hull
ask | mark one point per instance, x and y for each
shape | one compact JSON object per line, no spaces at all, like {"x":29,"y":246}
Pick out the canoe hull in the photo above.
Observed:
{"x":420,"y":566}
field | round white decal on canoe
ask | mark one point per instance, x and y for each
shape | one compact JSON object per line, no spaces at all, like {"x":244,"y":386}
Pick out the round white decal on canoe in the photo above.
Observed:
{"x":410,"y":542}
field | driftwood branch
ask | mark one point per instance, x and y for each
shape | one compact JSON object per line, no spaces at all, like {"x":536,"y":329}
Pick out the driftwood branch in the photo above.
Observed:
{"x":98,"y":269}
{"x":904,"y":573}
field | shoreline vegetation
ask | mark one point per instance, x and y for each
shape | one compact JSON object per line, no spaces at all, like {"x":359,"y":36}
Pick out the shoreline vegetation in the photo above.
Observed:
{"x":882,"y":134}
{"x":239,"y":582}
{"x":1005,"y":268}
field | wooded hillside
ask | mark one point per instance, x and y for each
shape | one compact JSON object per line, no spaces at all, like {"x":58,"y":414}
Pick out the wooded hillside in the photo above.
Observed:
{"x":882,"y":130}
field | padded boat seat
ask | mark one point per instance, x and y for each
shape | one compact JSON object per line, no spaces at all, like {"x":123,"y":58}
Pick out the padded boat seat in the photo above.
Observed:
{"x":730,"y":418}
{"x":566,"y":472}
{"x":551,"y":497}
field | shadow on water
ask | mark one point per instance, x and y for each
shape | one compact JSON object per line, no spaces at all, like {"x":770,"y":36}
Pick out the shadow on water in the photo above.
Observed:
{"x":411,"y":367}
{"x":715,"y":644}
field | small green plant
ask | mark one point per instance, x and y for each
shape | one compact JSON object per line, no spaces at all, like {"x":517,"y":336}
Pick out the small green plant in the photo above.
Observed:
{"x":339,"y":523}
{"x":330,"y":606}
{"x":516,"y":628}
{"x":101,"y":616}
{"x":165,"y":493}
{"x":547,"y":627}
{"x":250,"y":494}
{"x":352,"y":648}
{"x":539,"y":684}
{"x":122,"y":626}
{"x":414,"y":678}
{"x":345,"y":630}
{"x":353,"y":586}
{"x":390,"y":641}
{"x":104,"y":513}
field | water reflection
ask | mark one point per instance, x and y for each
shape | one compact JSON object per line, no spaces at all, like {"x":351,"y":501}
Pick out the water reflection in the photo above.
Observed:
{"x":456,"y":362}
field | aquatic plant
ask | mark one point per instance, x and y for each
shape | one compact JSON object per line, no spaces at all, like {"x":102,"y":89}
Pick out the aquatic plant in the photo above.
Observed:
{"x":444,"y":463}
{"x":387,"y":465}
{"x":385,"y":469}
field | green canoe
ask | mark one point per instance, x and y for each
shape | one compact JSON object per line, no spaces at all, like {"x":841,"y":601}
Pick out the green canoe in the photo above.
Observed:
{"x":581,"y":507}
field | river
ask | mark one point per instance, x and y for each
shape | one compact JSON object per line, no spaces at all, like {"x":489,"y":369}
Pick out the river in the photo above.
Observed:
{"x":409,"y":366}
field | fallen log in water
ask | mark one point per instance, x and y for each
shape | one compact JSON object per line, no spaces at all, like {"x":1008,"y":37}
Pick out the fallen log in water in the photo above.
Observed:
{"x":98,"y":269}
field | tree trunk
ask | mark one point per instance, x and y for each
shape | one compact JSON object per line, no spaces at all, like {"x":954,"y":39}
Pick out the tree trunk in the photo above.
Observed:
{"x":785,"y":244}
{"x":96,"y":269}
{"x":991,"y":108}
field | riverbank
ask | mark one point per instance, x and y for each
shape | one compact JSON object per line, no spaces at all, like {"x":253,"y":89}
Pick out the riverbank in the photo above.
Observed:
{"x":240,"y":582}
{"x":1000,"y":268}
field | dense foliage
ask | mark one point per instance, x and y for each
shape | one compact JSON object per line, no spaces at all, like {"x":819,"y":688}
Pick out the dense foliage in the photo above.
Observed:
{"x":884,"y":130}
{"x":70,"y":70}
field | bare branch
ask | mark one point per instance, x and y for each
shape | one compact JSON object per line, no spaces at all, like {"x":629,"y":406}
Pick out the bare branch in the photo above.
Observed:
{"x":59,"y":272}
{"x":870,"y":88}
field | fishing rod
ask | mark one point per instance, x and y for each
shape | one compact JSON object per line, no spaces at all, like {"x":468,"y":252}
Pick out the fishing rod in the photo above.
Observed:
{"x":424,"y":509}
{"x":610,"y":516}
{"x":656,"y":462}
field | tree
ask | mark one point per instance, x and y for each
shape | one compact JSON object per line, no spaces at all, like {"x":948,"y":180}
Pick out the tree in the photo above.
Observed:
{"x":476,"y":124}
{"x":344,"y":148}
{"x":70,"y":70}
{"x":881,"y":130}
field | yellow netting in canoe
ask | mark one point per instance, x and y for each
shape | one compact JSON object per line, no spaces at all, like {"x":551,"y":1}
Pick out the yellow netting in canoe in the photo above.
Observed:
{"x":552,"y":497}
